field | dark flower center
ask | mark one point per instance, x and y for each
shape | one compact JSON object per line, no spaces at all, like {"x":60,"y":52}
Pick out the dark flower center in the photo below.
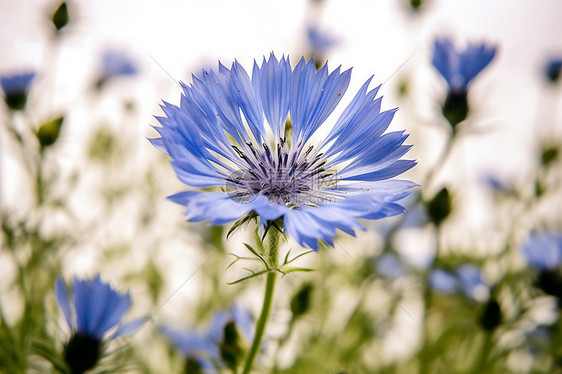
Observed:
{"x":287,"y":176}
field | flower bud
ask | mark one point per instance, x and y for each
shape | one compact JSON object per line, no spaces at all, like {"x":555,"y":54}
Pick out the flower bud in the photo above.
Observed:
{"x":455,"y":108}
{"x":439,"y":207}
{"x":231,"y":350}
{"x":301,"y":301}
{"x":81,"y":353}
{"x":60,"y":17}
{"x":491,"y":316}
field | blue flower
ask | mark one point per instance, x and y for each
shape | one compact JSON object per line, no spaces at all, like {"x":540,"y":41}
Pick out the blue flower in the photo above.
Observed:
{"x":460,"y":68}
{"x":443,"y":281}
{"x":319,"y":41}
{"x":552,"y":69}
{"x":116,"y":64}
{"x":389,"y":266}
{"x":15,"y":88}
{"x":471,"y":282}
{"x":233,"y":132}
{"x":467,"y":278}
{"x":544,"y":250}
{"x":97,"y":309}
{"x":203,"y":348}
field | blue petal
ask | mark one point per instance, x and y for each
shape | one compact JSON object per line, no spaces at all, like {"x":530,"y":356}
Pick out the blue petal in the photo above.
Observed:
{"x":273,"y":85}
{"x":445,"y":59}
{"x":193,"y":344}
{"x":63,"y":301}
{"x":98,"y":307}
{"x":129,"y":327}
{"x":115,"y":308}
{"x":475,"y":59}
{"x":396,"y":168}
{"x":359,"y":133}
{"x":216,"y":207}
{"x":17,"y":83}
{"x":246,"y":99}
{"x":356,"y":106}
{"x":81,"y":301}
{"x":315,"y":96}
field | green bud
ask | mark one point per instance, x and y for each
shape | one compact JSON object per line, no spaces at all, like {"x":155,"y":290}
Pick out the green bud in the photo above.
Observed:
{"x":60,"y":17}
{"x":416,"y":4}
{"x":540,"y":188}
{"x":82,"y":353}
{"x":550,"y":281}
{"x":16,"y":101}
{"x":548,"y":155}
{"x":49,"y":132}
{"x":230,"y":348}
{"x":491,"y":316}
{"x":455,"y":108}
{"x":301,"y":301}
{"x":192,"y":366}
{"x":440,"y":206}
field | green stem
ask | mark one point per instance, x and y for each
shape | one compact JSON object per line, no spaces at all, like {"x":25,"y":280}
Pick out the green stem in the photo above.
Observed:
{"x":267,"y":301}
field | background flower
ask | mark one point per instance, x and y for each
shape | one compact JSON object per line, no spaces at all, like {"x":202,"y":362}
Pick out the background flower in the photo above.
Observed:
{"x":15,"y":88}
{"x":459,"y":68}
{"x":96,"y":309}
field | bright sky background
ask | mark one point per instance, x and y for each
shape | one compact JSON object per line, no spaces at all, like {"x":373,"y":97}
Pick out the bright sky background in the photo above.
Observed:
{"x":377,"y":37}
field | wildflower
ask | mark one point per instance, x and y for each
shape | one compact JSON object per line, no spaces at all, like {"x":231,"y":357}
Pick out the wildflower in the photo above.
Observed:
{"x":319,"y":42}
{"x":543,"y":251}
{"x":552,"y":69}
{"x":390,"y":266}
{"x":459,"y":69}
{"x":466,"y":278}
{"x":471,"y":282}
{"x":221,"y":342}
{"x":115,"y":64}
{"x":218,"y":137}
{"x":97,"y":310}
{"x":443,"y":281}
{"x":15,"y":88}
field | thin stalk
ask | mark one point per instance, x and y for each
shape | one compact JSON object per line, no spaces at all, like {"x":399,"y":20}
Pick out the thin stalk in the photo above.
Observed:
{"x":267,"y":301}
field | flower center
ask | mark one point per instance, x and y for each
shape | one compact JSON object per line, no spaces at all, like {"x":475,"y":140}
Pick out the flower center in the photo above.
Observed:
{"x":290,"y":177}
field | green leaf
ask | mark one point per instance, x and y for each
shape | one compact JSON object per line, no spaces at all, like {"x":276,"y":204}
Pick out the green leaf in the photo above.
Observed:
{"x":241,"y":222}
{"x":254,"y":274}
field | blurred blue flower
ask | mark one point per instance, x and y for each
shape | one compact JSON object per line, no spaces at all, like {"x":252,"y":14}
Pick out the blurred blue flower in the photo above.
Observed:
{"x":543,"y":250}
{"x":319,"y":41}
{"x":217,"y":137}
{"x":470,"y":280}
{"x":97,"y":309}
{"x":116,"y":64}
{"x":15,"y":88}
{"x":466,"y":278}
{"x":390,"y":266}
{"x":460,"y":68}
{"x":552,"y":69}
{"x":443,"y":281}
{"x":204,"y":347}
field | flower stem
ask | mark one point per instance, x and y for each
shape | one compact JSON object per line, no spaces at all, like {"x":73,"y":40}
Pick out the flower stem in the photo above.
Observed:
{"x":267,"y":301}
